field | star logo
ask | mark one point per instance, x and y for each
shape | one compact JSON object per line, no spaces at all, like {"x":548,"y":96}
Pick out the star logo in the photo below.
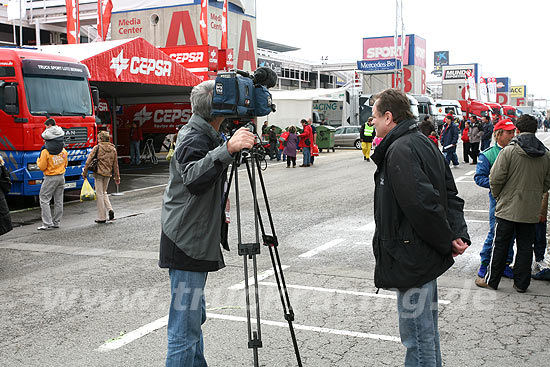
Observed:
{"x":142,"y":116}
{"x":119,"y":63}
{"x":230,"y":57}
{"x":213,"y":54}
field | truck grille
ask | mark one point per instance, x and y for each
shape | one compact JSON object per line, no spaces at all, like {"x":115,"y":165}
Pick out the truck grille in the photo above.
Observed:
{"x":76,"y":135}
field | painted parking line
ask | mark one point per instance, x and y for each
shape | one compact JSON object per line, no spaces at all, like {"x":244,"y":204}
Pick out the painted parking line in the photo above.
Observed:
{"x":133,"y":335}
{"x":163,"y":321}
{"x":368,"y":227}
{"x":326,"y":246}
{"x":266,"y":274}
{"x":340,"y":291}
{"x":355,"y":334}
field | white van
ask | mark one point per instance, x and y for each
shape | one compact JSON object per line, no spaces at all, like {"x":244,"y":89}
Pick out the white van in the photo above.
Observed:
{"x":444,"y":107}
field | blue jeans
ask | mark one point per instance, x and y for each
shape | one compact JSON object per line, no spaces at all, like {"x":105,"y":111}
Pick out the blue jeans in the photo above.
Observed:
{"x":485,"y":144}
{"x":134,"y":152}
{"x":187,"y":314}
{"x":487,"y":248}
{"x":307,"y":156}
{"x":451,"y":156}
{"x":417,"y":309}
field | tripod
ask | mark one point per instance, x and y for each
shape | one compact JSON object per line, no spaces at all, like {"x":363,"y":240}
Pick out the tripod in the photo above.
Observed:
{"x":251,"y":159}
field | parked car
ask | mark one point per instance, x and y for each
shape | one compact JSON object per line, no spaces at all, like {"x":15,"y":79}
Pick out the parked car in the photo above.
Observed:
{"x":347,"y":136}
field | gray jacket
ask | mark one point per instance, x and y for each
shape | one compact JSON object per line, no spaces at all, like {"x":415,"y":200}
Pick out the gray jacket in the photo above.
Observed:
{"x":475,"y":133}
{"x":191,"y":214}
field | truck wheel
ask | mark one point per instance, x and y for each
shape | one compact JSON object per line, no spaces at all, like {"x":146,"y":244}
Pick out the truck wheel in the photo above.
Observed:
{"x":357,"y":144}
{"x":333,"y":150}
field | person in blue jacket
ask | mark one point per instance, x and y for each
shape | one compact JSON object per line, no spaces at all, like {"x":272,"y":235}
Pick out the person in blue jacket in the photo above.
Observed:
{"x":504,"y":131}
{"x":449,"y":139}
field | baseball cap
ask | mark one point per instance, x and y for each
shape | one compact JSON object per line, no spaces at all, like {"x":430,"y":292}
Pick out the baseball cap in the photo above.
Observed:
{"x":505,"y":124}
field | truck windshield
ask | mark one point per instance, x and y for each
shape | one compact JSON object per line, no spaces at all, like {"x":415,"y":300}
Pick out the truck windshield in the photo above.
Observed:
{"x":433,"y":110}
{"x":57,"y":96}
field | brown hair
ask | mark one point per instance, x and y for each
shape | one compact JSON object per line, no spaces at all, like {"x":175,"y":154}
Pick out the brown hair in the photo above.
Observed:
{"x":396,"y":102}
{"x":103,"y":136}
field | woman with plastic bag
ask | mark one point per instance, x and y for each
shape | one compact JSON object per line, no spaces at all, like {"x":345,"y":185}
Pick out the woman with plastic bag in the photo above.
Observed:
{"x":107,"y":165}
{"x":5,"y":186}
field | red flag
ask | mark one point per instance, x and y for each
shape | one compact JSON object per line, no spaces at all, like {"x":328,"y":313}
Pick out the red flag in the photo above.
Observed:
{"x":104,"y":8}
{"x":73,"y":21}
{"x":224,"y":26}
{"x":204,"y":21}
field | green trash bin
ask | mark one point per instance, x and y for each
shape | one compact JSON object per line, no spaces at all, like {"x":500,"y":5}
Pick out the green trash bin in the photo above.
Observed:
{"x":325,"y":137}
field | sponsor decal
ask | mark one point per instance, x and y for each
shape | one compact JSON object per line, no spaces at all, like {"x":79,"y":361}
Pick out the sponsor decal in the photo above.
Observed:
{"x":378,"y":65}
{"x":142,"y":116}
{"x":456,"y":74}
{"x":187,"y":57}
{"x":517,"y":91}
{"x":140,"y":65}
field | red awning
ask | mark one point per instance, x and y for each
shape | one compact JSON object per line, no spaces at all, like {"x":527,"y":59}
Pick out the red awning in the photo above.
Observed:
{"x":130,"y":68}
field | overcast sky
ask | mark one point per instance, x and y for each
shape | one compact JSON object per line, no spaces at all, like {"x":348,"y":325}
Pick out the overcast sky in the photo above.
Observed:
{"x":508,"y":38}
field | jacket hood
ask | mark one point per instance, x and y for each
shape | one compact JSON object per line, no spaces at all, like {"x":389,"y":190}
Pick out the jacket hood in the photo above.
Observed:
{"x":55,"y":146}
{"x":398,"y":131}
{"x":532,"y":146}
{"x":52,"y":133}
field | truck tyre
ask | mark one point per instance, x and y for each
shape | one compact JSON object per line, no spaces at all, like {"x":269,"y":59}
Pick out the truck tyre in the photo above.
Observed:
{"x":357,"y":144}
{"x":333,"y":150}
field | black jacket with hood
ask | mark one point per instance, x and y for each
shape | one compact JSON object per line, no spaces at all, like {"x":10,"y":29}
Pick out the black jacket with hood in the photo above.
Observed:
{"x":417,"y":210}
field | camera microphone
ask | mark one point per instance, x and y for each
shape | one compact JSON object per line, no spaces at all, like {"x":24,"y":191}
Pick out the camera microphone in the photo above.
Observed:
{"x":265,"y":76}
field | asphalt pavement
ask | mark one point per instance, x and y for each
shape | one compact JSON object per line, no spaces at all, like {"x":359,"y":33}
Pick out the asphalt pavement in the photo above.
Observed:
{"x":92,"y":295}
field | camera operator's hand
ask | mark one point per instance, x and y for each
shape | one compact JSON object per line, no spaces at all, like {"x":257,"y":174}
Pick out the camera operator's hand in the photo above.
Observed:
{"x":242,"y":139}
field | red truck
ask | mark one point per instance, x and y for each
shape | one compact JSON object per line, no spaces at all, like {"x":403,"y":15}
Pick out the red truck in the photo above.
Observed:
{"x":510,"y":112}
{"x":33,"y":87}
{"x":477,"y":108}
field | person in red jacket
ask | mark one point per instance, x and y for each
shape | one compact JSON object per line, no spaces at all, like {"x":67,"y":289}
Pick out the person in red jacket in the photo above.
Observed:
{"x":306,"y":142}
{"x":466,"y":142}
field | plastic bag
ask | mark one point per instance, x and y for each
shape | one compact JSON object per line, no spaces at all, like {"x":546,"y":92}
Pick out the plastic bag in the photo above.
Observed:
{"x":315,"y":150}
{"x":170,"y":153}
{"x":87,"y":193}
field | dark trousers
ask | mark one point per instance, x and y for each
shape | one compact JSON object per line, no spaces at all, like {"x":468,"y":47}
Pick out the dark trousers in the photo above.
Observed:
{"x":290,"y":159}
{"x":273,"y":149}
{"x":540,"y":241}
{"x":474,"y":151}
{"x":525,"y":238}
{"x":466,"y":151}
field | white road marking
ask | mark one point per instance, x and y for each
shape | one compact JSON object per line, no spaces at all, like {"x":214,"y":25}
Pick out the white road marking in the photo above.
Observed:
{"x":80,"y":251}
{"x":266,"y":274}
{"x":476,"y":210}
{"x":133,"y":335}
{"x":470,"y":173}
{"x":308,"y":328}
{"x":326,"y":246}
{"x":340,"y":291}
{"x":144,"y":188}
{"x":368,"y":227}
{"x":148,"y":175}
{"x":477,"y":221}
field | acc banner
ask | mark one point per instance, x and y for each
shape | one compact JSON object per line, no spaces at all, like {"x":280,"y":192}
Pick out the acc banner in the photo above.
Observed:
{"x":517,"y":91}
{"x":73,"y":21}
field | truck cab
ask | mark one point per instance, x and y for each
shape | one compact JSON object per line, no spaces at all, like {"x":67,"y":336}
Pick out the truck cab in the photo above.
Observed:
{"x":366,"y":101}
{"x":477,"y":108}
{"x":33,"y":87}
{"x":510,"y":112}
{"x":426,"y":107}
{"x":496,"y":108}
{"x":445,"y":106}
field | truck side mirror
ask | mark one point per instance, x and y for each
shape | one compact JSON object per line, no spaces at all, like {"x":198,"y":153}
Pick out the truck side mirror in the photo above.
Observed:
{"x":10,"y":99}
{"x":95,"y":96}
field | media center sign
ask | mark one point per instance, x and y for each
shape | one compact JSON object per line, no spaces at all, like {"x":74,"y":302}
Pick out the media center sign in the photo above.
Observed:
{"x":379,"y":65}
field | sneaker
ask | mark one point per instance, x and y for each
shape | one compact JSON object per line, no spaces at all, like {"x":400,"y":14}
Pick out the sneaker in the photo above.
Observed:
{"x":480,"y":282}
{"x":44,"y":228}
{"x":508,"y":272}
{"x":111,"y":215}
{"x":55,"y":226}
{"x":482,"y":271}
{"x":544,"y":274}
{"x":519,"y":290}
{"x":368,"y":159}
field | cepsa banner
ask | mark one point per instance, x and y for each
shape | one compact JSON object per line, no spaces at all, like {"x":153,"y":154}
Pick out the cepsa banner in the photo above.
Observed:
{"x":156,"y":117}
{"x":194,"y":58}
{"x":137,"y":61}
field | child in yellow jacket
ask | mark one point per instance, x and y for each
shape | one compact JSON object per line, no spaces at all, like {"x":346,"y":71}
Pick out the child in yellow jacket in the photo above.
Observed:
{"x":52,"y":161}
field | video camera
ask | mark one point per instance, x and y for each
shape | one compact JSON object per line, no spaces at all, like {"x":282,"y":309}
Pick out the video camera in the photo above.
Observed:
{"x":239,"y":95}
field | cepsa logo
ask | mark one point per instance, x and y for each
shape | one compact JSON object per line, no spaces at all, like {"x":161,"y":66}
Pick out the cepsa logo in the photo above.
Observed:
{"x":140,"y":65}
{"x":163,"y":115}
{"x":187,"y":57}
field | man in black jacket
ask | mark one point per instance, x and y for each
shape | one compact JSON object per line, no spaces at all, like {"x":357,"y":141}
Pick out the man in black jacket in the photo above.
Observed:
{"x":487,"y":127}
{"x":420,"y":224}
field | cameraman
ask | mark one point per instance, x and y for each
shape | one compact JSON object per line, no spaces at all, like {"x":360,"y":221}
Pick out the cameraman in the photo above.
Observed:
{"x":191,"y":219}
